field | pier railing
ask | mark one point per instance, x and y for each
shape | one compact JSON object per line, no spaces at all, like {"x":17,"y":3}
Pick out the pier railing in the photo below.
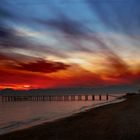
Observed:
{"x":14,"y":98}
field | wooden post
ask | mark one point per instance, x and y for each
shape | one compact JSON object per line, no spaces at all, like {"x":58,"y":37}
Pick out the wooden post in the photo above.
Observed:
{"x":11,"y":98}
{"x":79,"y":97}
{"x":106,"y":96}
{"x":100,"y":97}
{"x":49,"y":98}
{"x":8,"y":99}
{"x":93,"y":97}
{"x":86,"y":97}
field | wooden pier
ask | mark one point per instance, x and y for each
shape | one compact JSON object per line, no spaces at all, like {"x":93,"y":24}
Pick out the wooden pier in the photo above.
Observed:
{"x":14,"y":98}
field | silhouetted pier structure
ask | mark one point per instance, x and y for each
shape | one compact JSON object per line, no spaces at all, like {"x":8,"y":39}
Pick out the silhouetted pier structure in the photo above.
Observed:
{"x":14,"y":98}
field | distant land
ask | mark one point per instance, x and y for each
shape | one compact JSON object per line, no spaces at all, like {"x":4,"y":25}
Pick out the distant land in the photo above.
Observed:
{"x":119,"y":89}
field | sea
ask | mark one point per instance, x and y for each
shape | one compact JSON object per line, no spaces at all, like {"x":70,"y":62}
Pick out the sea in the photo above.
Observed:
{"x":20,"y":115}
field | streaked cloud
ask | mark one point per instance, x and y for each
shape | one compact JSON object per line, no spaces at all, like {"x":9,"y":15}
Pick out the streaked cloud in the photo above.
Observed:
{"x":69,"y":43}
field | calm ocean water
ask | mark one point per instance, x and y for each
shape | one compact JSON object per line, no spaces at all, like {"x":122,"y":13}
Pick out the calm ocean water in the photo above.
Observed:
{"x":19,"y":115}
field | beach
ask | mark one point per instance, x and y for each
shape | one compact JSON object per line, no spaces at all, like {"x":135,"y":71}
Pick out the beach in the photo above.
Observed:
{"x":110,"y":122}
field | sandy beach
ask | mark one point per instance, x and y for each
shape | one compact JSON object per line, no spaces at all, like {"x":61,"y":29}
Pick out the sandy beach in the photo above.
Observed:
{"x":120,"y":121}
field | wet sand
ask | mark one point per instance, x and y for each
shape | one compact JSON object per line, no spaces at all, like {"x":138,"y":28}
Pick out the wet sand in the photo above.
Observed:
{"x":120,"y":121}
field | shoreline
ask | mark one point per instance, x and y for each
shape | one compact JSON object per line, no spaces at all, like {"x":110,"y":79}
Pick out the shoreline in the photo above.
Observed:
{"x":110,"y":122}
{"x":81,"y":110}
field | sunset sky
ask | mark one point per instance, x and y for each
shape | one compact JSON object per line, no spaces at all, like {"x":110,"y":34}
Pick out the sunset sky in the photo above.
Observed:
{"x":69,"y":43}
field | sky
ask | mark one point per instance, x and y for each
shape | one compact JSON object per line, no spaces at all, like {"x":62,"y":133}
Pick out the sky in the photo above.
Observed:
{"x":69,"y":43}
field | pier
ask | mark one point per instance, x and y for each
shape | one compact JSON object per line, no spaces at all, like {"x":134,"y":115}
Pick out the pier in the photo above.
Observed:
{"x":14,"y":98}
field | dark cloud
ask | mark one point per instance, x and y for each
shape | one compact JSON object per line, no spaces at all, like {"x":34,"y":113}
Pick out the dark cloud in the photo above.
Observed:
{"x":10,"y":38}
{"x":42,"y":66}
{"x":71,"y":30}
{"x":34,"y":64}
{"x":64,"y":24}
{"x":7,"y":34}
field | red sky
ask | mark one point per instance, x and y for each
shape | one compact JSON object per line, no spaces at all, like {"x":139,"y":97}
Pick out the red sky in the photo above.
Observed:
{"x":64,"y":46}
{"x":44,"y":74}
